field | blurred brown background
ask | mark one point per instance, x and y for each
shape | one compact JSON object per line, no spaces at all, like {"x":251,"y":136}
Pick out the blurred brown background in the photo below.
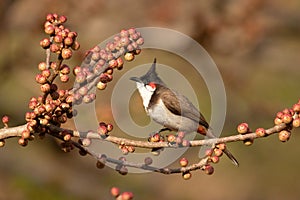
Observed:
{"x":255,"y":44}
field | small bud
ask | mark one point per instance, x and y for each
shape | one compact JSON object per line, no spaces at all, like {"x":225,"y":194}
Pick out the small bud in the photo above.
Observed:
{"x":129,"y":56}
{"x":243,"y":128}
{"x":102,"y":130}
{"x":5,"y":120}
{"x":171,"y":138}
{"x":209,"y":152}
{"x":49,"y":29}
{"x":42,"y":66}
{"x":62,"y":19}
{"x":277,"y":121}
{"x":218,"y":152}
{"x":296,"y":107}
{"x":248,"y":142}
{"x":115,"y":192}
{"x":260,"y":132}
{"x":183,"y":162}
{"x":23,"y":142}
{"x":101,"y":85}
{"x":45,"y":88}
{"x":50,"y":17}
{"x":123,"y":170}
{"x":66,"y":53}
{"x":215,"y":159}
{"x":45,"y":43}
{"x":126,"y":196}
{"x":40,"y":79}
{"x":185,"y":143}
{"x":2,"y":143}
{"x":287,"y":118}
{"x":75,"y":46}
{"x":155,"y":138}
{"x":221,"y":146}
{"x":67,"y":137}
{"x":186,"y":175}
{"x":86,"y":142}
{"x":208,"y":169}
{"x":284,"y":135}
{"x":109,"y":127}
{"x":148,"y":161}
{"x":296,"y":122}
{"x":25,"y":134}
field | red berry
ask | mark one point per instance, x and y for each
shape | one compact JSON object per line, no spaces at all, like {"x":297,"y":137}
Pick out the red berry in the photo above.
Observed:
{"x":114,"y":191}
{"x":243,"y":128}
{"x":186,"y":175}
{"x":208,"y":169}
{"x":284,"y":135}
{"x":183,"y":162}
{"x":260,"y":132}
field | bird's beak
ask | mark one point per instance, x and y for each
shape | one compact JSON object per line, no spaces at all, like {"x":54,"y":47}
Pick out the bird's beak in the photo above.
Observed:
{"x":136,"y":79}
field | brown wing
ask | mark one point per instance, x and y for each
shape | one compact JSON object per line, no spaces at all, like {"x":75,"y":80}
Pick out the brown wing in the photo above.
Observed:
{"x":186,"y":108}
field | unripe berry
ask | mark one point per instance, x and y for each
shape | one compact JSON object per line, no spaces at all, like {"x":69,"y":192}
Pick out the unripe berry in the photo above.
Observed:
{"x":23,"y":142}
{"x":248,"y":142}
{"x":115,"y":192}
{"x":287,"y":118}
{"x":186,"y":175}
{"x":218,"y":152}
{"x":296,"y":107}
{"x":45,"y":43}
{"x":277,"y":121}
{"x":64,"y":78}
{"x":209,"y":152}
{"x":126,"y":196}
{"x":45,"y":88}
{"x":171,"y":138}
{"x":208,"y":169}
{"x":109,"y":127}
{"x":50,"y":17}
{"x":183,"y":162}
{"x":25,"y":134}
{"x":75,"y":45}
{"x":243,"y":128}
{"x":5,"y":119}
{"x":284,"y":135}
{"x":129,"y":56}
{"x":260,"y":132}
{"x":101,"y":85}
{"x":67,"y":137}
{"x":296,"y":122}
{"x":86,"y":142}
{"x":39,"y":78}
{"x":123,"y":170}
{"x":49,"y":29}
{"x":42,"y":66}
{"x":215,"y":159}
{"x":66,"y":53}
{"x":2,"y":143}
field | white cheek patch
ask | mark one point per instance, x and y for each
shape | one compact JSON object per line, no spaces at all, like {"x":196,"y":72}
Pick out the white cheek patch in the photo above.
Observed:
{"x":145,"y":94}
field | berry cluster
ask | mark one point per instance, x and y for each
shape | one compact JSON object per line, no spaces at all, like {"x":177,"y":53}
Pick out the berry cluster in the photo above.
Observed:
{"x":61,"y":38}
{"x":115,"y":192}
{"x":55,"y":106}
{"x":99,"y":64}
{"x":288,"y":116}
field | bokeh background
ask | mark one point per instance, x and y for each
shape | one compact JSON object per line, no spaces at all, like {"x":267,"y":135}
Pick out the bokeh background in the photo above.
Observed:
{"x":255,"y":44}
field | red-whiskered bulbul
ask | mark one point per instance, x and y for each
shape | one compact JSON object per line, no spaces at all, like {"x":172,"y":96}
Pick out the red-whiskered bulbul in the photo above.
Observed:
{"x":171,"y":109}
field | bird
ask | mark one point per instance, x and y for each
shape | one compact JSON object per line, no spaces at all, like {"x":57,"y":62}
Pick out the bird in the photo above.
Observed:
{"x":171,"y":109}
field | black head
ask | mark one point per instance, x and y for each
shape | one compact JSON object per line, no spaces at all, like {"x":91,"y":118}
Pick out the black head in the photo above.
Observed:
{"x":150,"y":76}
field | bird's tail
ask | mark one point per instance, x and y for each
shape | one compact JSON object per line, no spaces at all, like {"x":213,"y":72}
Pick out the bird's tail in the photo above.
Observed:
{"x":209,"y":134}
